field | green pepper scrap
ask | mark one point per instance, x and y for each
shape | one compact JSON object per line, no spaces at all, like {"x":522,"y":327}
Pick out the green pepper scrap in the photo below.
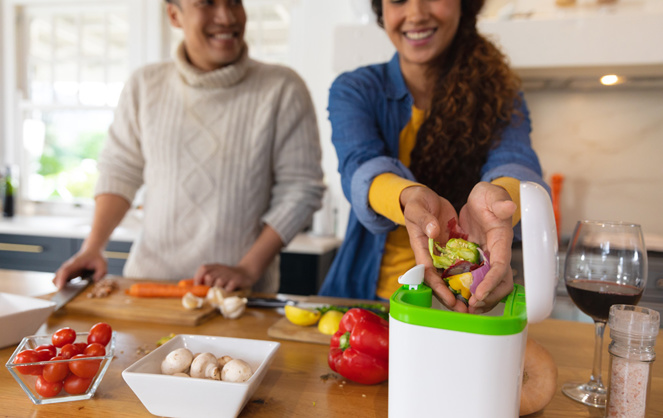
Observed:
{"x":456,"y":249}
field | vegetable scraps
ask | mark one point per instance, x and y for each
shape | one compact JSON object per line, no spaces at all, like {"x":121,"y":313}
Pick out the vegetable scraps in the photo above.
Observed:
{"x":359,"y":350}
{"x":462,"y":263}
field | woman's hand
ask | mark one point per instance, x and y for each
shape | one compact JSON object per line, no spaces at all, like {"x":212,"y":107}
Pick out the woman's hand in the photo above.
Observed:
{"x":78,"y":264}
{"x":486,"y":218}
{"x":426,"y":216}
{"x":229,"y":278}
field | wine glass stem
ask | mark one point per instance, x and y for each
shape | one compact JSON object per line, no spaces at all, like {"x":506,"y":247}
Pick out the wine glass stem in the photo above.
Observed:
{"x":599,"y":327}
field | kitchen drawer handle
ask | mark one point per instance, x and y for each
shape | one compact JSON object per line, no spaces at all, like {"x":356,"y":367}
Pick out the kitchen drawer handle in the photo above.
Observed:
{"x":116,"y":254}
{"x":21,"y":248}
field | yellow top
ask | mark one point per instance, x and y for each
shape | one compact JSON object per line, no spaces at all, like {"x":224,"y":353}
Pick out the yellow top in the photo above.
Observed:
{"x":384,"y":198}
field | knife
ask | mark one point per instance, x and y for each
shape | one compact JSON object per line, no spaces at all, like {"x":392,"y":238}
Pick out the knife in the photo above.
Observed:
{"x":70,"y":291}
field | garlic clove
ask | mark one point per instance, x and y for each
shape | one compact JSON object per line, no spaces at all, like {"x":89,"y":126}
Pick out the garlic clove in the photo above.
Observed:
{"x":215,"y":296}
{"x":233,"y":307}
{"x":191,"y":301}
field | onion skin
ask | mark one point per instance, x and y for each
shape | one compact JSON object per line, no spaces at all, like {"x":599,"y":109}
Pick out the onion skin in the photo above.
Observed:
{"x":539,"y":379}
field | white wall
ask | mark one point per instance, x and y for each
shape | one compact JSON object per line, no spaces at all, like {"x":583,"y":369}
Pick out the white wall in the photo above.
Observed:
{"x":609,"y":146}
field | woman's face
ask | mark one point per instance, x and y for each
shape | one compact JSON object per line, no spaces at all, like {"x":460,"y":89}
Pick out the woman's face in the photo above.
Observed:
{"x":420,"y":29}
{"x":213,"y":30}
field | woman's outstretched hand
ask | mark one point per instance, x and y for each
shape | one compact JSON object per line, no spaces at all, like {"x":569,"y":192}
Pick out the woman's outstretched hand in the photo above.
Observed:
{"x":486,"y":218}
{"x":426,"y":216}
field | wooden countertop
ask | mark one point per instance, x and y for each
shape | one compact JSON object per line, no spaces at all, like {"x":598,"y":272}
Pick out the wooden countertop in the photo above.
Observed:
{"x":299,"y":382}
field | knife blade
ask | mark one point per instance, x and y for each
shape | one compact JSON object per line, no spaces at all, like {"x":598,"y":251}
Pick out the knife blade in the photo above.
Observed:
{"x":70,"y":291}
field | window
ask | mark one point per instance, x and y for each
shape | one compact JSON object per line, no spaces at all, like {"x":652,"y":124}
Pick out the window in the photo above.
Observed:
{"x":75,"y":64}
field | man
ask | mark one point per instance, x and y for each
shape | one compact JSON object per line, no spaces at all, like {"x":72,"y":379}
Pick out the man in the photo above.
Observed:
{"x":228,"y":150}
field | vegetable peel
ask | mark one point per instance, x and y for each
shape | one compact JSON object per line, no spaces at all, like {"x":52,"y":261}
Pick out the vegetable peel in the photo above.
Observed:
{"x":462,"y":264}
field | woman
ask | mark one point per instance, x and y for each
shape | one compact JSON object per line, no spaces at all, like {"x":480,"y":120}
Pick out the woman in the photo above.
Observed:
{"x":438,"y":133}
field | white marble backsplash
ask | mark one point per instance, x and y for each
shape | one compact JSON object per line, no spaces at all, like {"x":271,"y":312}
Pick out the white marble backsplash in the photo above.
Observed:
{"x":609,"y":147}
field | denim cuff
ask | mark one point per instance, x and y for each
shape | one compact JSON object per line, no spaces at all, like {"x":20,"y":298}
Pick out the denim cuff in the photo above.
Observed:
{"x":360,"y":185}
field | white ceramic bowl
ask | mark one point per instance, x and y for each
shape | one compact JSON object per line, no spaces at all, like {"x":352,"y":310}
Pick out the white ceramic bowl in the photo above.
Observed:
{"x":21,"y":316}
{"x":172,"y":396}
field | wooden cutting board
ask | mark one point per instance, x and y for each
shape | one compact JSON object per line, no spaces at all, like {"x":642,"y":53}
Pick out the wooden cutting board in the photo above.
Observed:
{"x":285,"y":330}
{"x":122,"y":306}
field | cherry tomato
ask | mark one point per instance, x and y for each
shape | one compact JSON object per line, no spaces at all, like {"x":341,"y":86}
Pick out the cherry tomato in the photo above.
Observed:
{"x":47,"y":389}
{"x":95,"y":350}
{"x":28,"y":356}
{"x":63,"y":336}
{"x":100,"y":333}
{"x":75,"y":385}
{"x":80,"y":347}
{"x":84,"y":368}
{"x":69,"y":350}
{"x":55,"y":372}
{"x":43,"y":355}
{"x":50,"y":347}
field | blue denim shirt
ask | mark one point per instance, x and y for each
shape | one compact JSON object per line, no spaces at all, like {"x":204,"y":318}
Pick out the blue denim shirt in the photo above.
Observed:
{"x":368,"y":109}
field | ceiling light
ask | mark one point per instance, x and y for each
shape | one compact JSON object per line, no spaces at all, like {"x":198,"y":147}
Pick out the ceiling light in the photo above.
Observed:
{"x":610,"y":80}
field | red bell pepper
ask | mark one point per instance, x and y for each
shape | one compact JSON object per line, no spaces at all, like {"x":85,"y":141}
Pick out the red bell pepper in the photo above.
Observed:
{"x":359,"y":350}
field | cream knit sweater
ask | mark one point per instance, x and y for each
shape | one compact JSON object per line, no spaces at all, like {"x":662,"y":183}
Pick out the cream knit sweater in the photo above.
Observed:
{"x":220,"y":154}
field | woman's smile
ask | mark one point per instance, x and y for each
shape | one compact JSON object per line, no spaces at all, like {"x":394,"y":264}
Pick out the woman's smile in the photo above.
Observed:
{"x":419,"y":37}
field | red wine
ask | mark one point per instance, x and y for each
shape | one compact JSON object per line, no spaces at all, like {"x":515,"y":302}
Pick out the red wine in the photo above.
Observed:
{"x":596,"y":297}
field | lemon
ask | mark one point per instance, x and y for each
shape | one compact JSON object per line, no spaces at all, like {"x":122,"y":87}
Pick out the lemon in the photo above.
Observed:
{"x":300,"y":316}
{"x":329,"y":322}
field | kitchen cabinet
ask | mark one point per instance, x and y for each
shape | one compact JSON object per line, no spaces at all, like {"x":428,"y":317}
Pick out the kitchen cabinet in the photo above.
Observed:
{"x":47,"y":253}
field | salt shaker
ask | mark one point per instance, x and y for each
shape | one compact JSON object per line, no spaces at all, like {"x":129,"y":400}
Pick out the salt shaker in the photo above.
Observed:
{"x":633,"y":331}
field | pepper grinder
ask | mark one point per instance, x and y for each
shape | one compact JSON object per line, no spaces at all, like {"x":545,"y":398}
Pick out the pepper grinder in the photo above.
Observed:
{"x":633,"y":331}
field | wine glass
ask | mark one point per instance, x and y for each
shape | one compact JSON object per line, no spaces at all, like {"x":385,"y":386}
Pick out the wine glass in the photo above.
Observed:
{"x":606,"y":264}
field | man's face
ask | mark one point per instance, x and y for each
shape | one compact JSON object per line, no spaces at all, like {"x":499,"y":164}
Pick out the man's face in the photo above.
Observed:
{"x":213,"y":30}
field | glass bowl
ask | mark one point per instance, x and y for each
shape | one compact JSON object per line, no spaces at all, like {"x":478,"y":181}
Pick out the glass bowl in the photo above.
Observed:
{"x":27,"y":382}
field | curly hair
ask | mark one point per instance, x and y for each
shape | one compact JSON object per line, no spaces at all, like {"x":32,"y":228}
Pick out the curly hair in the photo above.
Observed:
{"x":475,"y":96}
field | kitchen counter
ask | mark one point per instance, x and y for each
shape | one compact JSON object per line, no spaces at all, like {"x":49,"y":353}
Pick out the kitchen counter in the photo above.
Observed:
{"x":299,"y":382}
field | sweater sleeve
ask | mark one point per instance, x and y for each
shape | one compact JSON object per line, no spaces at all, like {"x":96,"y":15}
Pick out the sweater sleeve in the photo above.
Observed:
{"x":298,"y":186}
{"x":121,"y":160}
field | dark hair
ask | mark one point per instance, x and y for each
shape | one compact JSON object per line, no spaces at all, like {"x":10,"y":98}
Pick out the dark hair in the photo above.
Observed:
{"x":475,"y":97}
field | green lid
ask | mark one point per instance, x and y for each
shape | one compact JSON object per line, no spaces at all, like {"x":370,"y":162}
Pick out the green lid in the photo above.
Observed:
{"x":414,"y":307}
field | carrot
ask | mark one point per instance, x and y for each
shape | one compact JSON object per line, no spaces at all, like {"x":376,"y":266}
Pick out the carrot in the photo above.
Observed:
{"x":185,"y":282}
{"x":161,"y":290}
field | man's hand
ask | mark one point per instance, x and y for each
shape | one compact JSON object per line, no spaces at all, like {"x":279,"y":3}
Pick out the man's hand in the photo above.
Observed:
{"x":78,"y":264}
{"x":226,"y":277}
{"x":486,"y":218}
{"x":426,"y":216}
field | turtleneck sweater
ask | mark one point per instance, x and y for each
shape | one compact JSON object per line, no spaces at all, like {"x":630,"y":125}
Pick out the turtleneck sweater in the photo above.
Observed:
{"x":221,"y":154}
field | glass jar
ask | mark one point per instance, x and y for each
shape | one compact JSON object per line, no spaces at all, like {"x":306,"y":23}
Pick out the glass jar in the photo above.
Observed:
{"x":633,"y":331}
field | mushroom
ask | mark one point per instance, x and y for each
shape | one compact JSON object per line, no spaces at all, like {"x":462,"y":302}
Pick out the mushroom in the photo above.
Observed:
{"x":233,"y":307}
{"x":177,"y":361}
{"x":181,"y":375}
{"x":236,"y":370}
{"x":223,"y":360}
{"x":205,"y":366}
